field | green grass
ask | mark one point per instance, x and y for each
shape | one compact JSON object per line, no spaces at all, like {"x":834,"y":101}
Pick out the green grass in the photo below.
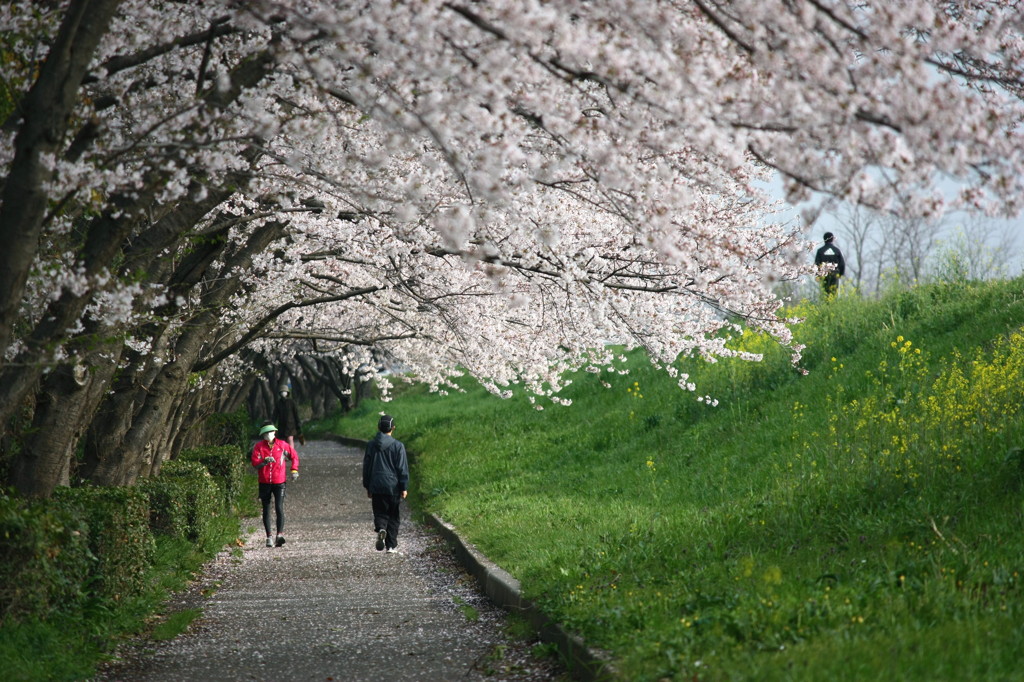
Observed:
{"x":468,"y":610}
{"x":858,"y":521}
{"x":174,"y":624}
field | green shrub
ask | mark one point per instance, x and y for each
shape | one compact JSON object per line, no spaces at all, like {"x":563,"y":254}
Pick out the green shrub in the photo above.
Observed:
{"x":68,"y":643}
{"x":225,"y":429}
{"x":227,"y":464}
{"x":183,"y":499}
{"x":119,"y":536}
{"x":46,"y":558}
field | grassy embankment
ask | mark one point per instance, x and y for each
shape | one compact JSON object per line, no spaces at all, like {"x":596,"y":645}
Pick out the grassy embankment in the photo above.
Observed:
{"x":859,"y":522}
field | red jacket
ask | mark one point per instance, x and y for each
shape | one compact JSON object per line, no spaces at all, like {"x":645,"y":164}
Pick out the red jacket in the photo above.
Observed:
{"x":274,"y":472}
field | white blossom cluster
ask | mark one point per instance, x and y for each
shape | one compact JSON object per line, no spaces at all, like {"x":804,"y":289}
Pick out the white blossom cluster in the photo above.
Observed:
{"x":509,"y":188}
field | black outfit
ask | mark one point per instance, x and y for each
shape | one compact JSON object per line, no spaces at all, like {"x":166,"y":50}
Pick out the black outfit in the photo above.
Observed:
{"x":386,"y":477}
{"x":286,"y":418}
{"x":830,"y":253}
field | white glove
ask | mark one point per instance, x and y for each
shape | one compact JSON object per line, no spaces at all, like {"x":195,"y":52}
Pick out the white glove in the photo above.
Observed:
{"x":295,"y":475}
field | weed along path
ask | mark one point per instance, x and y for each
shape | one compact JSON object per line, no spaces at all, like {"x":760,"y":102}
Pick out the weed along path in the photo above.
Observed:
{"x":328,"y":606}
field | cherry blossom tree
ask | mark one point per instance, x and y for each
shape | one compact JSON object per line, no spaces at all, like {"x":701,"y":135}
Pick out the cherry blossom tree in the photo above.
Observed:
{"x":507,"y":189}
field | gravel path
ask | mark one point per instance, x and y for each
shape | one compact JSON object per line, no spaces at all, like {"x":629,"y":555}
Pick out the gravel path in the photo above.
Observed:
{"x":328,"y":606}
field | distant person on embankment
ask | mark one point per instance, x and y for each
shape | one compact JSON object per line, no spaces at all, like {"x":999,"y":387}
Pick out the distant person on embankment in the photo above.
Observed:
{"x":829,"y":254}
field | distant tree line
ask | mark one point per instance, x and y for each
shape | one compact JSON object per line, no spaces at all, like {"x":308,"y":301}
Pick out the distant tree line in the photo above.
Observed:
{"x":884,"y":250}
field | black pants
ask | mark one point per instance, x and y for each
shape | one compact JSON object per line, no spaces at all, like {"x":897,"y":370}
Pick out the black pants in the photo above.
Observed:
{"x":387,"y":516}
{"x":277,"y":491}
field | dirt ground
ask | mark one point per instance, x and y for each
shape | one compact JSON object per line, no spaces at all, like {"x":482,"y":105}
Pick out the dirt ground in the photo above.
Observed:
{"x":328,"y":606}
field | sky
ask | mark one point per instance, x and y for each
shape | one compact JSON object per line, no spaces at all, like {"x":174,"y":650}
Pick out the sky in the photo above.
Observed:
{"x":827,"y":222}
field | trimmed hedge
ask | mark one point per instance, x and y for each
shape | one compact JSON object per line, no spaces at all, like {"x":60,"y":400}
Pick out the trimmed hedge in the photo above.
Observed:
{"x":46,"y":557}
{"x":119,"y":536}
{"x":228,"y":465}
{"x":225,"y":428}
{"x":97,"y":543}
{"x":183,"y":499}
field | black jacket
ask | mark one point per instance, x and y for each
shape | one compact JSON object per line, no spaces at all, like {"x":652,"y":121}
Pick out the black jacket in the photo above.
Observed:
{"x":830,"y":253}
{"x":385,"y":466}
{"x":286,"y":418}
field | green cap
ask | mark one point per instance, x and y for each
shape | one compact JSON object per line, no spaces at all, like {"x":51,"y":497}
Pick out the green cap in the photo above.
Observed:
{"x":267,"y":429}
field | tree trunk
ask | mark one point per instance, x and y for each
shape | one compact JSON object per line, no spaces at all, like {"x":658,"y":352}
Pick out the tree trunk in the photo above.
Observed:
{"x":103,"y":460}
{"x":234,"y":397}
{"x":64,"y":406}
{"x":105,"y":239}
{"x":265,"y":404}
{"x":45,"y":112}
{"x":182,"y":432}
{"x":141,"y":449}
{"x":139,"y":452}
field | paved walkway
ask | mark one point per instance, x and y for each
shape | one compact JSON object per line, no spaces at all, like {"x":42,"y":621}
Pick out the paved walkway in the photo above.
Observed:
{"x":328,"y":606}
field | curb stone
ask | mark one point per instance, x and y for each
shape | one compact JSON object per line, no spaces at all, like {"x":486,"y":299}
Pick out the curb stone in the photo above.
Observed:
{"x":501,"y":587}
{"x":582,"y":662}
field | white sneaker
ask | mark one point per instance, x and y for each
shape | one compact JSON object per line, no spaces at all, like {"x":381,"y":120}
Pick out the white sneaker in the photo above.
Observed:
{"x":392,"y":550}
{"x":270,"y":543}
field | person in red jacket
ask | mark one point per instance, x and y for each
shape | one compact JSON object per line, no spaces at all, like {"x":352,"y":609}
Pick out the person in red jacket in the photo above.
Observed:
{"x":268,"y":456}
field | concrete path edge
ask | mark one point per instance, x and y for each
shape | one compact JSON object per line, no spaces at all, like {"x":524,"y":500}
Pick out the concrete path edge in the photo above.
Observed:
{"x":501,"y":587}
{"x":582,"y":662}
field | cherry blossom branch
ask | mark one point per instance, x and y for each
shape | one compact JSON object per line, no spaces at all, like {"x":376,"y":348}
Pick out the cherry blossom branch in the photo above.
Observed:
{"x":256,"y":329}
{"x":368,"y":341}
{"x":219,"y":27}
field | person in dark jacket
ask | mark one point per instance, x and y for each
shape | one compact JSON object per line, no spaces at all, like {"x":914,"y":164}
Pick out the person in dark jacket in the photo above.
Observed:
{"x":286,"y":417}
{"x":829,"y":254}
{"x":386,"y":479}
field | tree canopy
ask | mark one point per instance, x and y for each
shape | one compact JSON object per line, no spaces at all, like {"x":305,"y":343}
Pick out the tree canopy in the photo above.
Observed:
{"x":509,"y":188}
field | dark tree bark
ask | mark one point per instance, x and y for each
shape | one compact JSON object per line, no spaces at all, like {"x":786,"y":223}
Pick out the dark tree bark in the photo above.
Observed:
{"x":139,"y":371}
{"x":64,"y":406}
{"x":105,"y":241}
{"x":107,"y":237}
{"x":181,"y":431}
{"x":235,"y":397}
{"x":138,"y":452}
